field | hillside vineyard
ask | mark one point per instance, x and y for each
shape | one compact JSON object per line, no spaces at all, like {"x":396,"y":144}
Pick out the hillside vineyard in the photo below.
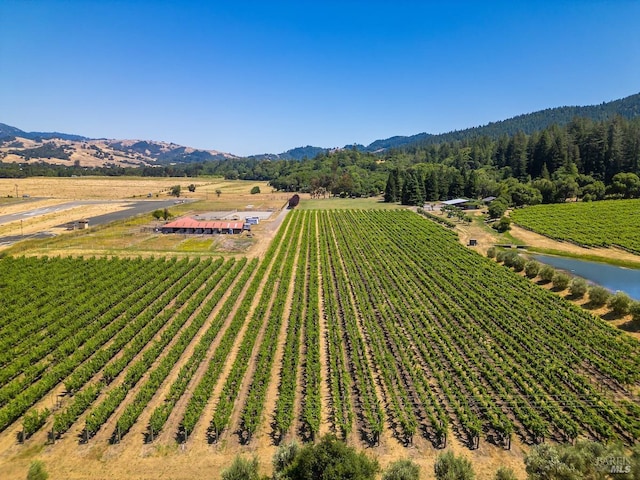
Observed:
{"x":367,"y":323}
{"x":594,"y":224}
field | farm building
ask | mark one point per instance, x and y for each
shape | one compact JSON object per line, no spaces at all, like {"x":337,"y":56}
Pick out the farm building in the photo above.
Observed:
{"x":197,"y":227}
{"x":463,"y":203}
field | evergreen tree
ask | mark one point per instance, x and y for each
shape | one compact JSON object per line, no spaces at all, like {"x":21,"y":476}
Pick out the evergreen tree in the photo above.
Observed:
{"x":392,"y":190}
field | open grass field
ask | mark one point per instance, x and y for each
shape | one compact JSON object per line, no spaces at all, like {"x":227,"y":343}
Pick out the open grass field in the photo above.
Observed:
{"x":167,"y":368}
{"x":54,"y":202}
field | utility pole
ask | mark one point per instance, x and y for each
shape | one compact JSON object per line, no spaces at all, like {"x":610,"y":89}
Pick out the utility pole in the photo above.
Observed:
{"x":16,"y":190}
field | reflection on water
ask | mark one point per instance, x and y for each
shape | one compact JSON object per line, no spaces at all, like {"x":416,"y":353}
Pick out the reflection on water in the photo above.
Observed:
{"x":609,"y":276}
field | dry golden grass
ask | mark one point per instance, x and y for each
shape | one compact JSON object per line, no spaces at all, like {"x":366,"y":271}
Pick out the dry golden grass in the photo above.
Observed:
{"x":116,"y":188}
{"x":135,"y":236}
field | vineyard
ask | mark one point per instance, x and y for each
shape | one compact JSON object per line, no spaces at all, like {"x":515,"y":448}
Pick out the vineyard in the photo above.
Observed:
{"x":375,"y":324}
{"x":593,"y":224}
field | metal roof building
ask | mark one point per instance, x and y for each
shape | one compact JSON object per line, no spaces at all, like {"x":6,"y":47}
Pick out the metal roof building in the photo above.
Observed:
{"x":192,"y":226}
{"x":455,"y":201}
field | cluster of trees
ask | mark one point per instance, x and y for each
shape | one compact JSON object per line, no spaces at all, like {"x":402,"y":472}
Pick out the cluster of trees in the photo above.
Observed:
{"x":332,"y":459}
{"x":432,"y":182}
{"x":47,"y":150}
{"x":583,"y":159}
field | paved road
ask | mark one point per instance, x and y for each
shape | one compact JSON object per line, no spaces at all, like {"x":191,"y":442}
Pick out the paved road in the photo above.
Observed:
{"x":36,"y":212}
{"x":137,"y":207}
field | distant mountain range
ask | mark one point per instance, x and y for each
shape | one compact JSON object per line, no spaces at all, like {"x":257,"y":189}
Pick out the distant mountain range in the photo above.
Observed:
{"x":628,"y":107}
{"x":61,"y":148}
{"x":54,"y":147}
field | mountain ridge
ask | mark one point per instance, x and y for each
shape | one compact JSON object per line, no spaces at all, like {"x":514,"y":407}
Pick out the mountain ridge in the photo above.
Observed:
{"x":627,"y":107}
{"x":41,"y":145}
{"x":18,"y":146}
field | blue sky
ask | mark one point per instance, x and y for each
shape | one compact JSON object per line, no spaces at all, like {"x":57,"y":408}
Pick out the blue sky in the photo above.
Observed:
{"x":257,"y":77}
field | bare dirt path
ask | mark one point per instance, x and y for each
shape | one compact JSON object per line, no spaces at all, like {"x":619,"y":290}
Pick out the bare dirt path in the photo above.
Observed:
{"x":266,"y":234}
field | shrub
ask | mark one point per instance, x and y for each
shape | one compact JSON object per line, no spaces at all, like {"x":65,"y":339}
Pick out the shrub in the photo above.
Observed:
{"x":331,"y":458}
{"x":510,"y":258}
{"x":502,"y":225}
{"x":491,"y":252}
{"x":532,"y":268}
{"x":284,"y":456}
{"x":255,"y":190}
{"x":500,"y":255}
{"x":242,"y":469}
{"x":561,"y":281}
{"x":634,"y":310}
{"x":598,"y":296}
{"x":450,"y":467}
{"x":546,"y":273}
{"x":619,"y":303}
{"x":518,"y":263}
{"x":402,"y":470}
{"x":505,"y":473}
{"x":578,"y":287}
{"x":37,"y":471}
{"x":498,"y":207}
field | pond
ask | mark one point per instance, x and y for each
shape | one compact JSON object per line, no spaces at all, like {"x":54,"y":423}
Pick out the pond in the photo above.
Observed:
{"x":611,"y":277}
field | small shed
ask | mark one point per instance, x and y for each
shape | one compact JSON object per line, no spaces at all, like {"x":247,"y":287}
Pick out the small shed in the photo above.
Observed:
{"x":473,"y":242}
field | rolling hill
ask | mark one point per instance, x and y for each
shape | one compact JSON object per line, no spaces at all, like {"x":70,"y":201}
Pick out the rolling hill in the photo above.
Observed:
{"x":61,"y":148}
{"x":18,"y":146}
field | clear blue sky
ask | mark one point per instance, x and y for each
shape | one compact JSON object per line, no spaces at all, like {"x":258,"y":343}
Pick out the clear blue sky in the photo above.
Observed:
{"x":267,"y":76}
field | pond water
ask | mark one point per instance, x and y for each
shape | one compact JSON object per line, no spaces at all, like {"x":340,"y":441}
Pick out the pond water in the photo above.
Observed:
{"x":611,"y":277}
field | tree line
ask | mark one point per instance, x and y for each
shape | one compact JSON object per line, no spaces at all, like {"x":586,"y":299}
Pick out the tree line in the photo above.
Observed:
{"x":582,"y":159}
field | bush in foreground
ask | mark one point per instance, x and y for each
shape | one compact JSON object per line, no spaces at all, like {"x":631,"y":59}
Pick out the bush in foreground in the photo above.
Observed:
{"x":634,"y":310}
{"x":242,"y":469}
{"x":37,"y":471}
{"x":284,"y":456}
{"x":402,"y":470}
{"x":450,"y":467}
{"x":505,"y":473}
{"x":491,"y":252}
{"x":331,"y":459}
{"x":584,"y":460}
